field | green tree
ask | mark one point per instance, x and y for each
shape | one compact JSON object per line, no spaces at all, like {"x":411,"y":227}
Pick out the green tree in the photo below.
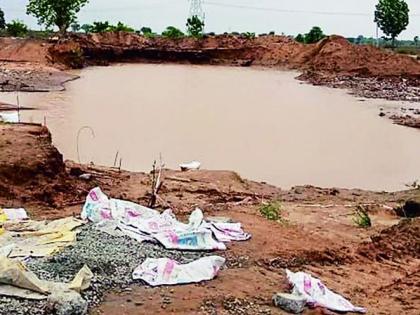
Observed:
{"x":16,"y":28}
{"x":195,"y":26}
{"x":61,"y":13}
{"x":392,"y":17}
{"x":2,"y":20}
{"x":416,"y":41}
{"x":75,"y":27}
{"x":87,"y":28}
{"x":314,"y":35}
{"x":172,"y":32}
{"x":300,"y":38}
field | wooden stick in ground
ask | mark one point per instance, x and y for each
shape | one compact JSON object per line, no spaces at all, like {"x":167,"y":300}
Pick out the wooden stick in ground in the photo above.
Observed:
{"x":156,"y":182}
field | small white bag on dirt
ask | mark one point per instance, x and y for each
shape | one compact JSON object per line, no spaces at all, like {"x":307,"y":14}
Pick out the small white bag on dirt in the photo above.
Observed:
{"x":317,"y":294}
{"x":165,"y":271}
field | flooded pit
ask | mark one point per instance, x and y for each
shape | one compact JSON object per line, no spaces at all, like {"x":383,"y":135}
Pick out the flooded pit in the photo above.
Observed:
{"x":261,"y":123}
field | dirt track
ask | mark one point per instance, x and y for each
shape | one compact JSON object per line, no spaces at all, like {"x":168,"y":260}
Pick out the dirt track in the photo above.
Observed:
{"x":378,"y":267}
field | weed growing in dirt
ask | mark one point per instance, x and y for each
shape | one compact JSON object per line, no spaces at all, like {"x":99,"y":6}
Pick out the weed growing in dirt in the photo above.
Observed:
{"x":273,"y":211}
{"x":361,"y":218}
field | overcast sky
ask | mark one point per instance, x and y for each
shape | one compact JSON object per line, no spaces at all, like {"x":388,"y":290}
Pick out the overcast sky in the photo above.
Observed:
{"x":345,"y":17}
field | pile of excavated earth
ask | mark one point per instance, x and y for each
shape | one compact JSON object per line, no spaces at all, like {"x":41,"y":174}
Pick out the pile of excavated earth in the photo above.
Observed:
{"x":376,"y":268}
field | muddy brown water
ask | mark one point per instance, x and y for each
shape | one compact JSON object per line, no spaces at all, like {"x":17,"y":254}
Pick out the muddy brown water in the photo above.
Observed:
{"x":262,"y":123}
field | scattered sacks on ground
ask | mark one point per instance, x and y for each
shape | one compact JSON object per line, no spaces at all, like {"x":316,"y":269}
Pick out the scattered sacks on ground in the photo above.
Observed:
{"x":111,"y":259}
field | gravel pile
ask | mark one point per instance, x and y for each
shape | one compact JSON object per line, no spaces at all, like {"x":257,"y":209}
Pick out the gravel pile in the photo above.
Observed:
{"x":111,"y":259}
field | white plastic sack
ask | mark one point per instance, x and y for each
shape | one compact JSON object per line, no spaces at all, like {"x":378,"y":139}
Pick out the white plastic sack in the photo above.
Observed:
{"x":227,"y":232}
{"x":115,"y":216}
{"x":317,"y":294}
{"x":98,"y":207}
{"x":196,"y":240}
{"x":164,"y":271}
{"x":194,"y":165}
{"x":16,"y":214}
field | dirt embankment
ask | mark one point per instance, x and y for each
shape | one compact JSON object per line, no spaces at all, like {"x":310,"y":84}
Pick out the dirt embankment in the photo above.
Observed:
{"x":33,"y":65}
{"x":376,"y":267}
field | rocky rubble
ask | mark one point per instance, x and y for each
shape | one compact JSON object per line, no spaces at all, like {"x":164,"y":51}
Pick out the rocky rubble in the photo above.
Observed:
{"x":32,"y":79}
{"x":390,"y":88}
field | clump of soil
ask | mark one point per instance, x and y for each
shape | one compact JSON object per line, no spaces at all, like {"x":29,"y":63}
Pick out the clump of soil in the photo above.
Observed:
{"x":395,"y":242}
{"x":337,"y":55}
{"x":32,"y":170}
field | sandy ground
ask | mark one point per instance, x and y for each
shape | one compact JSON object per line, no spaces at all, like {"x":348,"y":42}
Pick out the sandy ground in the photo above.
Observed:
{"x":378,"y":268}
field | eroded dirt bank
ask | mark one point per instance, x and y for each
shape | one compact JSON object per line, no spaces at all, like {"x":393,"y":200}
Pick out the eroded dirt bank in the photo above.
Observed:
{"x":378,"y":267}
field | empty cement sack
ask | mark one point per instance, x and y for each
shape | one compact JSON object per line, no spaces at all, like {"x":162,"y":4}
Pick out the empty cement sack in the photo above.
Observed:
{"x":317,"y":294}
{"x":165,"y":271}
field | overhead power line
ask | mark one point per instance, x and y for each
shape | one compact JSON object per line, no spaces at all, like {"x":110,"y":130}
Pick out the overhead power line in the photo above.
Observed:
{"x":256,"y":8}
{"x":225,"y":5}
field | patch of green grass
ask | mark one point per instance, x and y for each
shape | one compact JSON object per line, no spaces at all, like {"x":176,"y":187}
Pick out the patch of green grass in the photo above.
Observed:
{"x":273,"y":211}
{"x":361,"y":217}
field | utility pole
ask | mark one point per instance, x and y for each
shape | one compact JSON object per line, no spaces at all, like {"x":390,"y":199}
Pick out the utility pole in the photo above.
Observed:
{"x":196,"y":9}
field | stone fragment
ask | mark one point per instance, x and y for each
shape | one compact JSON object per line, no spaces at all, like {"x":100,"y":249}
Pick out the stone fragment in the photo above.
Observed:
{"x":289,"y":302}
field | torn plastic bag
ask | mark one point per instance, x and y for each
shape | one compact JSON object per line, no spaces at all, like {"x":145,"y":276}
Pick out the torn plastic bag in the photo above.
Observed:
{"x":39,"y":238}
{"x":197,"y":240}
{"x":99,"y":207}
{"x":18,"y":281}
{"x":15,"y":273}
{"x":317,"y":294}
{"x":227,"y":232}
{"x":165,"y":271}
{"x":14,"y":214}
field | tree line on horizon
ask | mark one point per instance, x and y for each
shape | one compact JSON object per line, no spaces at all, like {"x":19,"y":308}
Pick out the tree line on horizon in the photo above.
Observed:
{"x":391,"y":16}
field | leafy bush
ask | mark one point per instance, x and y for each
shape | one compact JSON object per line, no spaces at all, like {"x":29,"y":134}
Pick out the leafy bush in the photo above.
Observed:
{"x":147,"y":32}
{"x":121,"y":27}
{"x":195,"y":26}
{"x":100,"y":27}
{"x":16,"y":28}
{"x":173,"y":32}
{"x":248,"y":35}
{"x":361,"y":217}
{"x":272,"y":211}
{"x":272,"y":33}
